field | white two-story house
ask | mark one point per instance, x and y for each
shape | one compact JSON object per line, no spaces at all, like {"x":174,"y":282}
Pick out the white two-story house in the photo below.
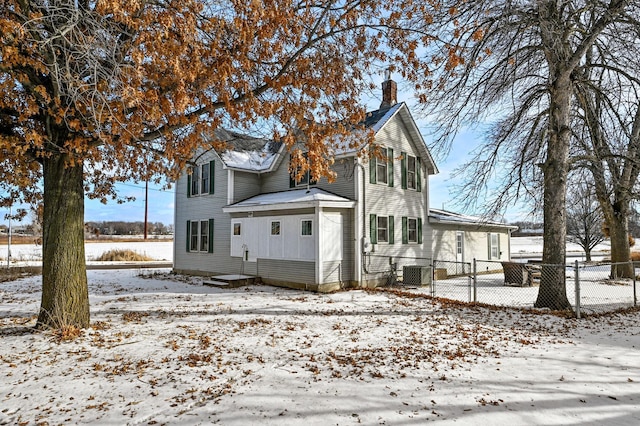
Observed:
{"x":239,"y":212}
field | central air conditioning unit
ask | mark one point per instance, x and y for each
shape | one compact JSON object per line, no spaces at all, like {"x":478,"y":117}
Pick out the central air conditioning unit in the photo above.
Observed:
{"x":417,"y":275}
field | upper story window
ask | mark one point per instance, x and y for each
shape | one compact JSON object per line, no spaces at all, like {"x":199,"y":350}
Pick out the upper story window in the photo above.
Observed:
{"x":305,"y":179}
{"x":411,"y":172}
{"x":200,"y":181}
{"x":381,"y":168}
{"x":195,"y":180}
{"x":204,"y":179}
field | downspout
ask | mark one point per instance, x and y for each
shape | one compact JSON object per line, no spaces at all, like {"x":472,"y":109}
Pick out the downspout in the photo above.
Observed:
{"x":363,"y":265}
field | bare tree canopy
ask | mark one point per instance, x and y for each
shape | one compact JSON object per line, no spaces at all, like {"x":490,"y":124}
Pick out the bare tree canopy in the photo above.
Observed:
{"x":99,"y":92}
{"x":516,"y":65}
{"x":584,"y":217}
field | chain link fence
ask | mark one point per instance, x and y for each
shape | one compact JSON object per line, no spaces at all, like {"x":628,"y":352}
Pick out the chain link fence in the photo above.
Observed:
{"x":584,"y":288}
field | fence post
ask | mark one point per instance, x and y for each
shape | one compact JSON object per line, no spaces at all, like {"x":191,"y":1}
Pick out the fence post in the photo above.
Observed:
{"x":577,"y":289}
{"x":475,"y":280}
{"x":433,"y":281}
{"x":635,"y":296}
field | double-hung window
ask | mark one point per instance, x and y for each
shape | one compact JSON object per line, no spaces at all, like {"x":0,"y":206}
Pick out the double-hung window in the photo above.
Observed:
{"x":200,"y":236}
{"x":381,"y":229}
{"x":204,"y":179}
{"x":381,"y":170}
{"x":411,"y":172}
{"x":411,"y":230}
{"x":381,"y":166}
{"x":195,"y":180}
{"x":200,"y":180}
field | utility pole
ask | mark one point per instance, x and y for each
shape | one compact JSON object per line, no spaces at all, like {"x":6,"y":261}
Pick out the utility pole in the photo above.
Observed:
{"x":9,"y":240}
{"x":146,"y":206}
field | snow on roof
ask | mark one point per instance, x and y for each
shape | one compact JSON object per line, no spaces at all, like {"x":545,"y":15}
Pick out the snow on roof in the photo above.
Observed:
{"x":259,"y":161}
{"x":445,"y":216}
{"x":287,"y":199}
{"x":247,"y":152}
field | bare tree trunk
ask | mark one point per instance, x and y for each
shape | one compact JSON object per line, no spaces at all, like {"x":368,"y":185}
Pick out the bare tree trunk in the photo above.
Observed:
{"x":617,"y":220}
{"x":552,"y":293}
{"x":65,"y":295}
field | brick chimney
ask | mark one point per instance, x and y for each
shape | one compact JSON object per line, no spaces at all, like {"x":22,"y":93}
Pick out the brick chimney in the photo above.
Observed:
{"x":389,"y":91}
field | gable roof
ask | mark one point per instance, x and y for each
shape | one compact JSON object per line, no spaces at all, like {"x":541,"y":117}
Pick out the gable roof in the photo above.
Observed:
{"x":247,"y":153}
{"x":284,"y":200}
{"x":378,"y":119}
{"x":260,"y":155}
{"x":446,"y":217}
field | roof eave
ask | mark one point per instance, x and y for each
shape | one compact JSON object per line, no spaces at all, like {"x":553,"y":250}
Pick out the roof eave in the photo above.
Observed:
{"x":289,"y":206}
{"x":476,"y":224}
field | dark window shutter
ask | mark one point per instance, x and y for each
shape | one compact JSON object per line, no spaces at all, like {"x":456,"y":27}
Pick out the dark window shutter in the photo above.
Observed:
{"x":188,"y":185}
{"x":391,"y":230}
{"x":372,"y":166}
{"x":212,"y":170}
{"x":405,"y":231}
{"x":373,"y":225}
{"x":418,"y":175}
{"x":390,"y":166}
{"x":210,"y":235}
{"x":403,"y":165}
{"x":188,"y":236}
{"x":419,"y":230}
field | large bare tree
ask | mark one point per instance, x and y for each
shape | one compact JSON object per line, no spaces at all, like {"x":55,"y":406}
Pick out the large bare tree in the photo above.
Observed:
{"x":96,"y":92}
{"x":607,"y":132}
{"x":514,"y":65}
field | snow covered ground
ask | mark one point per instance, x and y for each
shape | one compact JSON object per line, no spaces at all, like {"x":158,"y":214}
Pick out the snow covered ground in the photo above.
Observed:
{"x":164,"y":349}
{"x":156,"y":249}
{"x":531,"y":247}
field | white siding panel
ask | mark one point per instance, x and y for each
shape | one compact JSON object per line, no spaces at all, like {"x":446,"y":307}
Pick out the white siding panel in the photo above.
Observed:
{"x":332,"y":232}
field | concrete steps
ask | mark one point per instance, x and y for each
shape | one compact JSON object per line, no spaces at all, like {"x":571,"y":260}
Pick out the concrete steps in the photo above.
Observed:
{"x":229,"y":281}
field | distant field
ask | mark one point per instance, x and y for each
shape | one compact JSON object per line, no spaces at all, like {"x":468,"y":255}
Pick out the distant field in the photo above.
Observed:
{"x":31,"y":239}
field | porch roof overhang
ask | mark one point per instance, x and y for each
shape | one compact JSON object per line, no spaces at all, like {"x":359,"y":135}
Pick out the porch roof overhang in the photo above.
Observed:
{"x":445,"y":217}
{"x":287,"y":200}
